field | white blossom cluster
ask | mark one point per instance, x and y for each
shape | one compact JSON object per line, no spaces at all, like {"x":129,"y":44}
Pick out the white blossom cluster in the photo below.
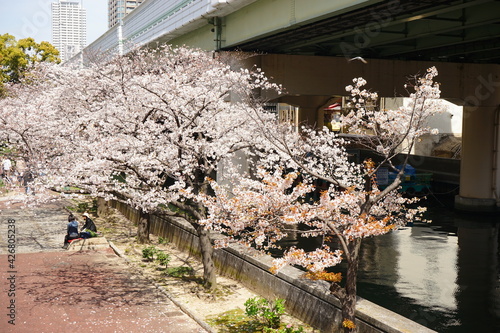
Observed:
{"x":349,"y":206}
{"x":147,"y":128}
{"x":388,"y":130}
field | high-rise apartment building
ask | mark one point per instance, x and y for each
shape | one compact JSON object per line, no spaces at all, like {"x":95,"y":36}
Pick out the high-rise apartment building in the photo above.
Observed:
{"x":117,"y":9}
{"x":69,"y":27}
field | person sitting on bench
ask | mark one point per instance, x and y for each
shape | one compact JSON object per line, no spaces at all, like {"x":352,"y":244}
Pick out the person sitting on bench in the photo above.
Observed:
{"x":72,"y":231}
{"x":89,"y":229}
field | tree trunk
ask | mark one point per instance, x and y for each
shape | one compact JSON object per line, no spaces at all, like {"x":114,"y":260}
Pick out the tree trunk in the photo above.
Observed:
{"x":209,"y":275}
{"x":349,"y":300}
{"x":143,"y":229}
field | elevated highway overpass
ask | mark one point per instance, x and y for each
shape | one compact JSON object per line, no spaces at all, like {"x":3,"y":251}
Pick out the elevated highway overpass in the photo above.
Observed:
{"x":306,"y":44}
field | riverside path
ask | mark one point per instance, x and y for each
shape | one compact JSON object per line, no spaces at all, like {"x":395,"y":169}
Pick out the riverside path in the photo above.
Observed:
{"x":44,"y":288}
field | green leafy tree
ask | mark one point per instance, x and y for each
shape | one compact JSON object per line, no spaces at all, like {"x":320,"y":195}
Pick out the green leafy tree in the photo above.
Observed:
{"x":18,"y":56}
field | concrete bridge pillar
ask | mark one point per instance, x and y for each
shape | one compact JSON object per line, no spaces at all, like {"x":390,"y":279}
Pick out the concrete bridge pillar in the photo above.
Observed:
{"x":479,"y":168}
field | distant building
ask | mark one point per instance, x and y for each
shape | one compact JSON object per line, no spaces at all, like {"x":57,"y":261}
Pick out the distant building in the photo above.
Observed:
{"x":117,"y":9}
{"x":69,"y":27}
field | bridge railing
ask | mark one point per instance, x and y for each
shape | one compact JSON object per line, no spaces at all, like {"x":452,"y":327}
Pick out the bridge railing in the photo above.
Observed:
{"x":156,"y":20}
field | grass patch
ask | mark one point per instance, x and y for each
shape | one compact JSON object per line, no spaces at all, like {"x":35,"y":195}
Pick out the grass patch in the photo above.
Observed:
{"x":233,"y":321}
{"x":87,"y":206}
{"x":260,"y":316}
{"x":180,"y":271}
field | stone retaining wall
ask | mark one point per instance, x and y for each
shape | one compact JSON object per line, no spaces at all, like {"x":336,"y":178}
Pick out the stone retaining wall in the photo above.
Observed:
{"x":307,"y":300}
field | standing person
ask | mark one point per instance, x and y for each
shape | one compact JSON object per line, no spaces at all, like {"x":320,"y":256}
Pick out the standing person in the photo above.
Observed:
{"x":27,"y":179}
{"x":6,"y":165}
{"x":72,"y":231}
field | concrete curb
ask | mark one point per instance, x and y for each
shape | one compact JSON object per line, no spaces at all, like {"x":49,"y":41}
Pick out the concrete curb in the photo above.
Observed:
{"x":182,"y":306}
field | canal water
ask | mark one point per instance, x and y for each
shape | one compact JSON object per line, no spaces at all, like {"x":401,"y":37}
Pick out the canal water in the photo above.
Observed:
{"x":444,"y":275}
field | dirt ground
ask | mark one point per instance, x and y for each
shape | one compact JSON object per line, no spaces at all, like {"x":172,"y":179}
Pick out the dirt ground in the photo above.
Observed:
{"x":229,"y":296}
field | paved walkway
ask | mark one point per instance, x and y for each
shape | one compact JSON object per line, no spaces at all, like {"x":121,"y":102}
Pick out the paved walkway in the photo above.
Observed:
{"x":47,"y":289}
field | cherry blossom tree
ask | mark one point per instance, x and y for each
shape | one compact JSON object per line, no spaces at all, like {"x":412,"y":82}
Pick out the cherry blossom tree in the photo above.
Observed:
{"x":147,"y":129}
{"x":261,"y":211}
{"x":29,"y":125}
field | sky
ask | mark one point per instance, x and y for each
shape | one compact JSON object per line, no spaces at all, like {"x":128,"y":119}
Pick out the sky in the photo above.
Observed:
{"x":32,"y":18}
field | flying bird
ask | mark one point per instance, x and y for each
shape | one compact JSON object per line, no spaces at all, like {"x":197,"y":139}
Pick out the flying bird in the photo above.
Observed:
{"x":360,"y":59}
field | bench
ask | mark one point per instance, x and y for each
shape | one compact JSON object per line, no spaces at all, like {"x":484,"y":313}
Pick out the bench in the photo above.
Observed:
{"x":84,"y":244}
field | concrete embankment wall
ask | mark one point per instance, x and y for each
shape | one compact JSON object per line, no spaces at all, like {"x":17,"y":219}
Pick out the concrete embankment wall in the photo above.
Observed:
{"x":307,"y":300}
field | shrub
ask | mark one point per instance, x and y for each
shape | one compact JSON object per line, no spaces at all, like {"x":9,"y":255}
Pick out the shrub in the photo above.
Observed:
{"x":149,"y":252}
{"x":163,"y":258}
{"x":259,"y":315}
{"x":267,"y":312}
